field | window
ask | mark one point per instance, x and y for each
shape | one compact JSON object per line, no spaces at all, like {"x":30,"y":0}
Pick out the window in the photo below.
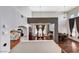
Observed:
{"x":78,"y":14}
{"x":72,"y":16}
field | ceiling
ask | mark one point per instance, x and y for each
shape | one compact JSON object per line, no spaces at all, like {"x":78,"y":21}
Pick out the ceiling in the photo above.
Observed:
{"x":51,"y":8}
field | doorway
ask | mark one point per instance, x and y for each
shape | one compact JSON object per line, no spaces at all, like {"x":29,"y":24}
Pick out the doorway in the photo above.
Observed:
{"x":40,"y":30}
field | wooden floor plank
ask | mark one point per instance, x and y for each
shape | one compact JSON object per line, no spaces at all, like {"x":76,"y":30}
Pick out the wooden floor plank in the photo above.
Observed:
{"x":69,"y":46}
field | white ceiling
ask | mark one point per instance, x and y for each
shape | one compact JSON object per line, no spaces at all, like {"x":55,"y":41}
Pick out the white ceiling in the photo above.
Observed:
{"x":51,"y":8}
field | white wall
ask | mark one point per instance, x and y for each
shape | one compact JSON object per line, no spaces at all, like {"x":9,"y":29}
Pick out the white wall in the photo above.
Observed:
{"x":25,"y":10}
{"x":0,"y":34}
{"x":51,"y":27}
{"x":62,"y":26}
{"x":11,"y":18}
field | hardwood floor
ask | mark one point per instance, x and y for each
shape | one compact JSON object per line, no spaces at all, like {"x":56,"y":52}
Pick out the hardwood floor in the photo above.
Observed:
{"x":69,"y":46}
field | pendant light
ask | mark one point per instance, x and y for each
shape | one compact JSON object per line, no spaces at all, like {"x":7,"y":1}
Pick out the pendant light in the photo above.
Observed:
{"x":64,"y":12}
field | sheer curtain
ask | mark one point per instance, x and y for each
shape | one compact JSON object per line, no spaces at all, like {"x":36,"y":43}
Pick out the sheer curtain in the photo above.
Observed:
{"x":74,"y":29}
{"x":77,"y":25}
{"x":45,"y":30}
{"x":35,"y":31}
{"x":40,"y":31}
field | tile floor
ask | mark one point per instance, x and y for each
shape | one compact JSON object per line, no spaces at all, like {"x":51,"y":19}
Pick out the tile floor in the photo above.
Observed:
{"x":48,"y":46}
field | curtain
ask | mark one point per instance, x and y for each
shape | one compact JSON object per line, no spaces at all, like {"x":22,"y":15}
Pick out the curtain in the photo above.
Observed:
{"x":37,"y":26}
{"x":77,"y":25}
{"x":43,"y":26}
{"x":71,"y":25}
